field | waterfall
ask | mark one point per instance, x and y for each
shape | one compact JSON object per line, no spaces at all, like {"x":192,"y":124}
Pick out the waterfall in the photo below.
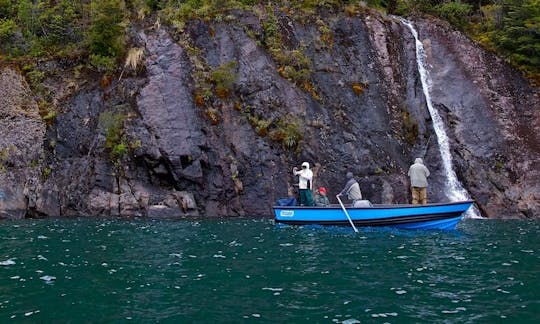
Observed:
{"x":454,"y":190}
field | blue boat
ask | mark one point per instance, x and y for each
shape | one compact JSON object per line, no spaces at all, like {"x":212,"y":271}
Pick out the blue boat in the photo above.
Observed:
{"x":444,"y":216}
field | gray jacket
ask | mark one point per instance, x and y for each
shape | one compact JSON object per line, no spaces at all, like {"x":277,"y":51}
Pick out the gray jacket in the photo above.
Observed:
{"x":418,"y":174}
{"x":352,"y":189}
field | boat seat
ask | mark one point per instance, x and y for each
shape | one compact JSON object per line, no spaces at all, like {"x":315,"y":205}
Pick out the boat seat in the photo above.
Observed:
{"x":362,"y":203}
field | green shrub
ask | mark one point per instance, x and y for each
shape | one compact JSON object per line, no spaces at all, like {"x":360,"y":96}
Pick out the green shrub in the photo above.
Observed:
{"x":512,"y":29}
{"x":272,"y":38}
{"x":113,"y":125}
{"x":25,"y":17}
{"x":58,"y":23}
{"x":261,"y":125}
{"x":249,"y":2}
{"x":106,"y":34}
{"x":456,"y":13}
{"x":103,"y":63}
{"x":153,"y":4}
{"x":408,"y":7}
{"x":35,"y":78}
{"x":288,"y":132}
{"x":46,"y":172}
{"x":7,"y":9}
{"x":45,"y":27}
{"x":293,"y":64}
{"x":49,"y":117}
{"x":223,"y":78}
{"x":4,"y":157}
{"x":177,"y":13}
{"x":119,"y":150}
{"x":8,"y":28}
{"x":213,"y":115}
{"x":410,"y":127}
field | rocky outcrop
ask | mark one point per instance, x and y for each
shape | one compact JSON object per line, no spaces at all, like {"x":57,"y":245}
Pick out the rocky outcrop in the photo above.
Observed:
{"x":145,"y":145}
{"x":494,"y":122}
{"x":21,"y":146}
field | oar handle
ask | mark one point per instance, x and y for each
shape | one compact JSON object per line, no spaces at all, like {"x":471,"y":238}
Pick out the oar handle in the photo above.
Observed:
{"x":347,"y":214}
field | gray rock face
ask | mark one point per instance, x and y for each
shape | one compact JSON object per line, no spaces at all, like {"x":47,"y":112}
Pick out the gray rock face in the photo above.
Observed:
{"x":494,"y":122}
{"x":362,"y":110}
{"x":21,"y":141}
{"x":167,"y":109}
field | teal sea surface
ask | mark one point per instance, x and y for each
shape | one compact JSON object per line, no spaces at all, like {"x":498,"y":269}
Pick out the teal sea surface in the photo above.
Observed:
{"x":251,"y":270}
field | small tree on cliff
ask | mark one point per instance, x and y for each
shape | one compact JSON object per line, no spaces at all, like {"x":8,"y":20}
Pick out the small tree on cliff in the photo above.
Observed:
{"x":106,"y":34}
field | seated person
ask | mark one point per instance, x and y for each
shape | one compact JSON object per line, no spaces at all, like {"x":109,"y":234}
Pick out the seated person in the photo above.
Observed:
{"x":320,"y":198}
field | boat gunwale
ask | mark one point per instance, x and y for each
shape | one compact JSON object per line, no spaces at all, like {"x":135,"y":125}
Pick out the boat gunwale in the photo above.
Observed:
{"x":377,"y":206}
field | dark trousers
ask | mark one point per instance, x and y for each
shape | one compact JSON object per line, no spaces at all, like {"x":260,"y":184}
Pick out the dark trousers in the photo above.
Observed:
{"x":305,"y":197}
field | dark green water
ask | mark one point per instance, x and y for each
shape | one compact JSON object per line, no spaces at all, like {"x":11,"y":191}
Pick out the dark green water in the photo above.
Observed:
{"x":243,"y":270}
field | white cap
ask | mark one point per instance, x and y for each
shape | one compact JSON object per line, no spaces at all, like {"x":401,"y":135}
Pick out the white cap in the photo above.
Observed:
{"x":305,"y":164}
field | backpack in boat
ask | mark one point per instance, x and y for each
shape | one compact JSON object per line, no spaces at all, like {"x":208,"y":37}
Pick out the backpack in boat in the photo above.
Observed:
{"x":290,"y":201}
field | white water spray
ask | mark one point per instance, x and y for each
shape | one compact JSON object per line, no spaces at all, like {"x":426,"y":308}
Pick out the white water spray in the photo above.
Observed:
{"x":454,"y":190}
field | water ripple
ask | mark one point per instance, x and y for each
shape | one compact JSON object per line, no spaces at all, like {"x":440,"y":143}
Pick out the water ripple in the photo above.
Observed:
{"x":250,"y":270}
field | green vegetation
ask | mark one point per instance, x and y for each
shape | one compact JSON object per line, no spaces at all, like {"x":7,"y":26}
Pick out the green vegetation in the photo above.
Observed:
{"x":46,"y":172}
{"x":4,"y":157}
{"x":63,"y":28}
{"x":94,"y":31}
{"x":260,"y":124}
{"x":106,"y":39}
{"x":213,"y":85}
{"x":410,"y":128}
{"x":508,"y":27}
{"x":34,"y":77}
{"x":93,"y":34}
{"x":115,"y":139}
{"x":117,"y":143}
{"x":288,"y":132}
{"x":518,"y":35}
{"x":293,"y":64}
{"x":326,"y":33}
{"x":223,"y":78}
{"x":49,"y":117}
{"x":39,"y":28}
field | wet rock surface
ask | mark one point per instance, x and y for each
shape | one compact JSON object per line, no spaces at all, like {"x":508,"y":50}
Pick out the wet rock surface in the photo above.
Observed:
{"x":363,"y":111}
{"x":21,"y":141}
{"x":493,"y":121}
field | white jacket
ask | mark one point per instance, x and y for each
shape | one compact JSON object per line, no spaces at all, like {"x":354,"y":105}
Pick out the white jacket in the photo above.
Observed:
{"x":304,"y":175}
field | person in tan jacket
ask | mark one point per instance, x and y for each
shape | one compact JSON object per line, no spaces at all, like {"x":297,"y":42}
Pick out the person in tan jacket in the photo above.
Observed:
{"x":418,"y":174}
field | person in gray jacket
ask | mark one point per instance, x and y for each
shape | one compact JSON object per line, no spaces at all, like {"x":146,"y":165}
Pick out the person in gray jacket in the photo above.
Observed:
{"x":418,"y":174}
{"x":352,"y":189}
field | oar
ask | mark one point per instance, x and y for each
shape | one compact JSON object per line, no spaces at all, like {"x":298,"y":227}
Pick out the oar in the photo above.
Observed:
{"x":347,"y":214}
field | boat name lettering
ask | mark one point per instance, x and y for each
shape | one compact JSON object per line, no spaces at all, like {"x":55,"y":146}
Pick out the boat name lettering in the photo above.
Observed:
{"x":286,"y":213}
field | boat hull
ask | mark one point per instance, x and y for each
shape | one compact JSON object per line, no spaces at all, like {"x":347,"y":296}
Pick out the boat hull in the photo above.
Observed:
{"x":431,"y":216}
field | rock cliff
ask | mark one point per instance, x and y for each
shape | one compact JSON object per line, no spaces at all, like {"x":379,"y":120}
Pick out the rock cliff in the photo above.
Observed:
{"x":168,"y":139}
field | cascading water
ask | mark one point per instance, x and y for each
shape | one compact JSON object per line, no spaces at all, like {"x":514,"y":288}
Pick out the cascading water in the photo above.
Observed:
{"x":454,"y":189}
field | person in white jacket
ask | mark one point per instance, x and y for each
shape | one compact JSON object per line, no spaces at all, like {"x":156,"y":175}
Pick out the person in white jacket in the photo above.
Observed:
{"x":305,"y":183}
{"x":418,"y":173}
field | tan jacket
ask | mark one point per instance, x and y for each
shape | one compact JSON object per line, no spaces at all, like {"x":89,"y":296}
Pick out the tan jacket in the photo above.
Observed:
{"x":418,"y":173}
